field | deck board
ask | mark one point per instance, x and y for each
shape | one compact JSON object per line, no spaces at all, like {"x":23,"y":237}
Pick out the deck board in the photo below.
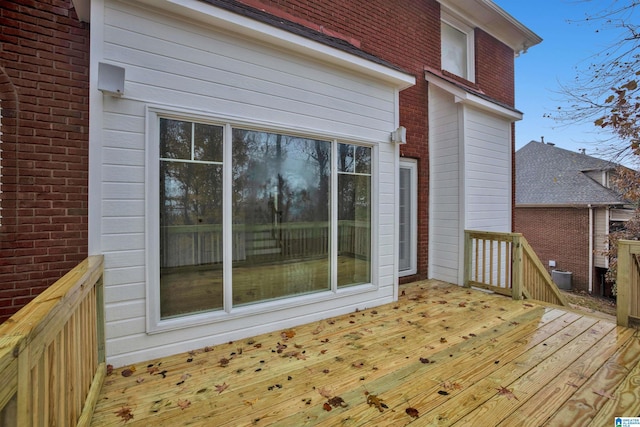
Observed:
{"x":443,"y":350}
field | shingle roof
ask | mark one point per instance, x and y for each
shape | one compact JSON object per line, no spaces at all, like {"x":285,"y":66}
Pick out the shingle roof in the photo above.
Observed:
{"x":549,"y":175}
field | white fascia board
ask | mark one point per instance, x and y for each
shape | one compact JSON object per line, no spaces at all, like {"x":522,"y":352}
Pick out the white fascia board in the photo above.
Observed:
{"x":83,"y":9}
{"x":208,"y":14}
{"x":467,"y":98}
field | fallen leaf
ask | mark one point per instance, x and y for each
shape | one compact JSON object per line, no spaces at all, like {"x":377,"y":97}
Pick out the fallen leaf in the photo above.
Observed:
{"x":184,"y":404}
{"x":412,"y":412}
{"x":503,"y":391}
{"x":109,"y":369}
{"x":462,"y":304}
{"x":448,"y":385}
{"x":125,"y":413}
{"x":224,"y":362}
{"x":140,"y":380}
{"x":443,"y":340}
{"x":425,"y":360}
{"x":337,"y":401}
{"x":324,"y":392}
{"x":251,"y":402}
{"x":289,"y":333}
{"x":152,"y":370}
{"x":127,"y":372}
{"x":221,"y":388}
{"x":326,"y":407}
{"x":374,"y":400}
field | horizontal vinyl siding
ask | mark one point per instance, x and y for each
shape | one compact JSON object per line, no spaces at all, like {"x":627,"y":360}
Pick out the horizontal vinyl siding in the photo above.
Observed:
{"x":487,"y":171}
{"x":444,"y":183}
{"x":178,"y":65}
{"x":600,"y":237}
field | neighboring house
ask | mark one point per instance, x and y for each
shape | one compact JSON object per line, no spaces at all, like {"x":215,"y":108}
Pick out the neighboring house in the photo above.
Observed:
{"x":254,"y":165}
{"x":565,"y":208}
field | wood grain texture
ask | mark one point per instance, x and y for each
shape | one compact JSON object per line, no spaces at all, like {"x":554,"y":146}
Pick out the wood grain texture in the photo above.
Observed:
{"x":454,"y":355}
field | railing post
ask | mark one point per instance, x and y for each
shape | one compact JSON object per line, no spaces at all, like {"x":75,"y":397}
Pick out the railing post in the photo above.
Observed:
{"x":623,"y":279}
{"x":517,"y":273}
{"x":468,"y":250}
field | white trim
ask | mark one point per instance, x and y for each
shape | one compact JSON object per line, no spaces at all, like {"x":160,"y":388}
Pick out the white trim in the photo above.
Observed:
{"x":154,"y":323}
{"x":412,"y":166}
{"x":465,"y":97}
{"x":469,"y":33}
{"x":96,"y":117}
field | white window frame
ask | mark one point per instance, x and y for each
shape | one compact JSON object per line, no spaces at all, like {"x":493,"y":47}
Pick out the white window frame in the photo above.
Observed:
{"x":152,"y":199}
{"x":412,"y":166}
{"x":468,"y":31}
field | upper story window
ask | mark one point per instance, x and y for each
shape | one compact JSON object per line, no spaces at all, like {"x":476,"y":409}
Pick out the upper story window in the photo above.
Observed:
{"x":457,"y":48}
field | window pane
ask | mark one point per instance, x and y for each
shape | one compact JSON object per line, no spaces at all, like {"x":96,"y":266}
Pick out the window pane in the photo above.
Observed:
{"x":346,"y":158}
{"x":207,"y":143}
{"x":404,"y":224}
{"x":281,"y":222}
{"x":175,"y":139}
{"x":454,"y":50}
{"x":190,"y":231}
{"x":354,"y":222}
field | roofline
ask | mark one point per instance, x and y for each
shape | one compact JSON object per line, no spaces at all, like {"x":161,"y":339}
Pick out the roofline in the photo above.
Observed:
{"x":490,"y":17}
{"x":467,"y":96}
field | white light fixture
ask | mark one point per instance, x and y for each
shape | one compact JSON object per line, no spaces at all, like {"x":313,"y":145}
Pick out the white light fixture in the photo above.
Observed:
{"x":399,"y":136}
{"x":110,"y":79}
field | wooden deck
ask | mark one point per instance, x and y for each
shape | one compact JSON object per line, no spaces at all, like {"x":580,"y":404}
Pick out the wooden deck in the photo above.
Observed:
{"x":442,"y":355}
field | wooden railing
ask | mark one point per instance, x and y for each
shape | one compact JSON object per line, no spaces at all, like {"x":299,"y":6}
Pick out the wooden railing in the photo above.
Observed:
{"x":628,"y":282}
{"x":52,"y":360}
{"x":505,"y":263}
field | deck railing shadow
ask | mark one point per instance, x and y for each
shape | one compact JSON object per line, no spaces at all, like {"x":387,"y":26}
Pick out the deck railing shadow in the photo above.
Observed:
{"x":52,"y":359}
{"x":506,"y":263}
{"x":628,"y":283}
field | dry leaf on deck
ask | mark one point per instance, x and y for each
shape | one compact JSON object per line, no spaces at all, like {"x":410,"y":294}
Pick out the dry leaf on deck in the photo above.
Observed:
{"x":125,"y":413}
{"x":109,"y":369}
{"x":324,"y":392}
{"x":337,"y":401}
{"x":221,"y":388}
{"x":374,"y":400}
{"x":289,"y":333}
{"x":503,"y":391}
{"x":224,"y":362}
{"x":412,"y":412}
{"x":127,"y":372}
{"x":326,"y":407}
{"x":184,"y":404}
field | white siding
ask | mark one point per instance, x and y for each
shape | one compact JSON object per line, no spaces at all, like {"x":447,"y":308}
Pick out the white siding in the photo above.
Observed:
{"x":600,"y":219}
{"x":179,"y":65}
{"x":487,"y":172}
{"x":469,"y":180}
{"x":444,"y":187}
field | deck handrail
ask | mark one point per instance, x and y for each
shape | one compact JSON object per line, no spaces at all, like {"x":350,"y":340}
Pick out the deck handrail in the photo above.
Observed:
{"x":628,"y":282}
{"x":506,"y":263}
{"x":52,"y":357}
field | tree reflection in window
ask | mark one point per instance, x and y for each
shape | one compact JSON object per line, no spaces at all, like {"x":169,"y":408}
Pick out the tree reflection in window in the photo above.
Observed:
{"x":281,"y":215}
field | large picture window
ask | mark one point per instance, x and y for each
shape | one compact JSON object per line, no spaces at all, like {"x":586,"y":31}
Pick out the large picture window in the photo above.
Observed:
{"x":248,"y":216}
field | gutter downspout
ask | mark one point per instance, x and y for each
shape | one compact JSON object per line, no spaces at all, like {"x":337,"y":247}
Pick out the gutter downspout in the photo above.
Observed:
{"x":591,"y":237}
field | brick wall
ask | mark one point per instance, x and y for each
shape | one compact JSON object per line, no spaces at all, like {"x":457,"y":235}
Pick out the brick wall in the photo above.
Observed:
{"x":560,"y":234}
{"x":406,"y":34}
{"x":44,"y":59}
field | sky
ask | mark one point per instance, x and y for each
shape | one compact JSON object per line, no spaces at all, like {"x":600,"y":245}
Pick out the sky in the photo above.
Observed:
{"x":569,"y":43}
